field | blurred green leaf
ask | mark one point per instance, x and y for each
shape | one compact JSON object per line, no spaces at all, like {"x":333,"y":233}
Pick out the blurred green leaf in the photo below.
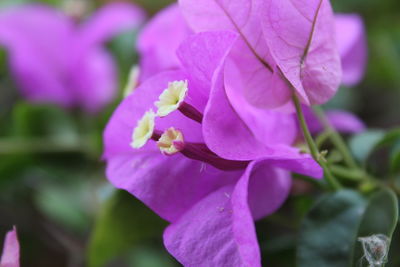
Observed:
{"x":302,"y":204}
{"x":376,"y":148}
{"x":123,"y":48}
{"x":65,"y":203}
{"x":362,"y":145}
{"x":328,"y":232}
{"x":12,"y":167}
{"x":45,"y":129}
{"x":149,"y":257}
{"x":7,"y":3}
{"x":390,"y":138}
{"x":394,"y":258}
{"x":124,"y":222}
{"x":345,"y":98}
{"x":43,"y":120}
{"x":395,"y":158}
{"x":384,"y":71}
{"x":380,"y":217}
{"x":153,"y":6}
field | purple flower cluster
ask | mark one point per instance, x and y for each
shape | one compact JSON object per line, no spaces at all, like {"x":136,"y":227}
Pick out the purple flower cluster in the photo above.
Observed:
{"x":53,"y":59}
{"x":208,"y":138}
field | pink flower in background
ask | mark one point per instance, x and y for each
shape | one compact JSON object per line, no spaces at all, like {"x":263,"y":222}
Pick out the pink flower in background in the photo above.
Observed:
{"x":352,"y":43}
{"x":55,"y":60}
{"x":342,"y":121}
{"x":10,"y":255}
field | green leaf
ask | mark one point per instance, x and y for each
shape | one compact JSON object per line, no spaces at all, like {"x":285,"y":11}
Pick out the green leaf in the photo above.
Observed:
{"x":121,"y":47}
{"x":363,"y":144}
{"x":124,"y":222}
{"x":328,"y":232}
{"x":65,"y":203}
{"x":151,"y":257}
{"x":7,"y":3}
{"x":394,"y":258}
{"x":153,"y":6}
{"x":386,"y":149}
{"x":44,"y":129}
{"x":395,"y":159}
{"x":12,"y":167}
{"x":380,"y":217}
{"x":390,"y":138}
{"x":43,"y":120}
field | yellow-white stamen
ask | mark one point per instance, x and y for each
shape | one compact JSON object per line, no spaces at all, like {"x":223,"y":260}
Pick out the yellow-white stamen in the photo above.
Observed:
{"x":133,"y":81}
{"x":143,"y":130}
{"x":171,"y":141}
{"x":171,"y":98}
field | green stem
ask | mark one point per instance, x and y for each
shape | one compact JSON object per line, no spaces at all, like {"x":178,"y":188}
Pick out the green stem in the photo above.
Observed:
{"x":334,"y":184}
{"x":23,"y":146}
{"x":320,"y":140}
{"x":336,"y":139}
{"x":350,"y":174}
{"x":358,"y":175}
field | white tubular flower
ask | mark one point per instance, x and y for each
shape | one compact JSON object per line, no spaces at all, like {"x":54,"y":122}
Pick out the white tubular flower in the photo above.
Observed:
{"x":143,"y":130}
{"x":171,"y":142}
{"x":133,"y":80}
{"x":171,"y":98}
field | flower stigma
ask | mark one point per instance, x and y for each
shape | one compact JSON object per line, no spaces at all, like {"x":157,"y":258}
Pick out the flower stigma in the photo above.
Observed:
{"x":144,"y":130}
{"x":171,"y":142}
{"x":171,"y":98}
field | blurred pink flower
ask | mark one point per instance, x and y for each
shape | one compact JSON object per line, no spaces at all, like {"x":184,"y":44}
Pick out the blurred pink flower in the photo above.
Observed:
{"x":55,"y":60}
{"x":352,"y":43}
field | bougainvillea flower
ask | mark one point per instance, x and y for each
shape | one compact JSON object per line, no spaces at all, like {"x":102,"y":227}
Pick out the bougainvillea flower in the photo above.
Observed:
{"x":158,"y":50}
{"x":159,"y":40}
{"x":301,"y":38}
{"x":180,"y":186}
{"x":210,"y":200}
{"x":10,"y":255}
{"x":54,"y":60}
{"x":352,"y":43}
{"x":351,"y":123}
{"x":342,"y":121}
{"x":250,"y":51}
{"x":284,"y":46}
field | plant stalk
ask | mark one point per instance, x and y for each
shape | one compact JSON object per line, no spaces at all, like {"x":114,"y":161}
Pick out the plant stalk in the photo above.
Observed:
{"x":318,"y":157}
{"x":336,"y":139}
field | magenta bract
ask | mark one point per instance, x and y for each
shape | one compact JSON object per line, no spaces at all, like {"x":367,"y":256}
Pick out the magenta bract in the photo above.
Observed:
{"x":242,"y":187}
{"x":10,"y":255}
